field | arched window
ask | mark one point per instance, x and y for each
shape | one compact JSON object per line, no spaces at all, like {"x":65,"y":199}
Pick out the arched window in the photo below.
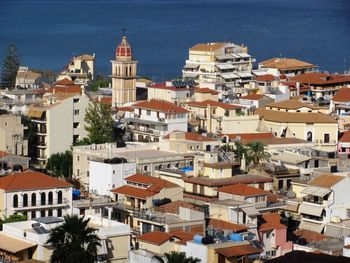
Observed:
{"x":33,"y":199}
{"x":33,"y":214}
{"x":130,"y":70}
{"x":309,"y":136}
{"x":59,"y":212}
{"x":50,"y":212}
{"x":43,"y":198}
{"x":50,"y":198}
{"x":59,"y":197}
{"x":15,"y":201}
{"x":42,"y":213}
{"x":25,"y":200}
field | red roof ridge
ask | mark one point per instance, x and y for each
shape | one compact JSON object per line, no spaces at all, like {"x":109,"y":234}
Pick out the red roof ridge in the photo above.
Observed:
{"x":242,"y":190}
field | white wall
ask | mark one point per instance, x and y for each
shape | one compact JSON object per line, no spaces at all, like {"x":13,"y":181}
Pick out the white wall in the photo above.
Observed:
{"x":105,"y":177}
{"x":196,"y":250}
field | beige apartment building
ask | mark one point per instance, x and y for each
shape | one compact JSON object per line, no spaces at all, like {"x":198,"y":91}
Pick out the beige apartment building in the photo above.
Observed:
{"x":12,"y":135}
{"x":61,"y":113}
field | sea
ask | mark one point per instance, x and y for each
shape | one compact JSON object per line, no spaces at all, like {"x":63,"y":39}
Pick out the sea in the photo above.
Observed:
{"x":48,"y":33}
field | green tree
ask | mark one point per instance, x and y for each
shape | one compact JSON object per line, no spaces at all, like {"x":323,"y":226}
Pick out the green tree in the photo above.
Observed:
{"x":99,"y":123}
{"x":256,"y":151}
{"x":74,"y":241}
{"x":176,"y":257}
{"x":99,"y":82}
{"x":10,"y":67}
{"x":13,"y":218}
{"x":60,"y":164}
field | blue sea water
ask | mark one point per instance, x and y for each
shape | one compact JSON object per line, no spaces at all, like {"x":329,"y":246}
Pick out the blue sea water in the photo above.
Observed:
{"x":48,"y":33}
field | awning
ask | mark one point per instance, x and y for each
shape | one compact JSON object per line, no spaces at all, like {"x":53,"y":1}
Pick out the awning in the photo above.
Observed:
{"x":243,"y":55}
{"x":226,"y":66}
{"x":316,"y":191}
{"x":250,"y":211}
{"x":35,"y":113}
{"x":224,"y":56}
{"x":13,"y":245}
{"x":191,"y":66}
{"x":229,"y":76}
{"x":310,"y":210}
{"x":311,"y":226}
{"x":292,"y":207}
{"x":102,"y":250}
{"x":141,"y":121}
{"x":336,"y":232}
{"x":244,"y":74}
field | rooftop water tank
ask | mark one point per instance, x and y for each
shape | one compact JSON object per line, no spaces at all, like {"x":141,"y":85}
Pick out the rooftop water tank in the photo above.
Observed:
{"x":236,"y":237}
{"x":197,"y":239}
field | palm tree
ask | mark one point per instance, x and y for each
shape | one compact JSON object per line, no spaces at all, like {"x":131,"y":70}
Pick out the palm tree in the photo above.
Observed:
{"x":73,"y":241}
{"x":257,"y":152}
{"x":176,"y":257}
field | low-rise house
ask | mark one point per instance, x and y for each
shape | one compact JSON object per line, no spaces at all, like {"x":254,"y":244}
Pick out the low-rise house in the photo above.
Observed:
{"x":26,"y":240}
{"x":10,"y":162}
{"x":286,"y":66}
{"x":323,"y":201}
{"x":35,"y":195}
{"x":26,"y":78}
{"x":202,"y":94}
{"x":273,"y":235}
{"x":155,"y":118}
{"x":176,"y":91}
{"x":255,"y":100}
{"x":340,"y":102}
{"x":344,"y":146}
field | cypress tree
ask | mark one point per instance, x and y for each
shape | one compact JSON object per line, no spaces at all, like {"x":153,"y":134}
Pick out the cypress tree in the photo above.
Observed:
{"x":10,"y":67}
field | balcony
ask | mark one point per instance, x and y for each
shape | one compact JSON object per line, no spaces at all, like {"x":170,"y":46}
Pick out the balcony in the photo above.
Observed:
{"x":150,"y":217}
{"x":147,"y":130}
{"x":327,"y":142}
{"x":312,"y":200}
{"x":41,"y":205}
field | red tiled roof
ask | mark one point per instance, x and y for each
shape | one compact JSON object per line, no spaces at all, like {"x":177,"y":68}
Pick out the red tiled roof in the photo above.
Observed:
{"x":242,"y":190}
{"x":173,"y":207}
{"x":250,"y":136}
{"x":161,"y":105}
{"x":64,"y":82}
{"x":212,"y":103}
{"x":286,"y":64}
{"x":345,"y":137}
{"x":134,"y":191}
{"x":3,"y":154}
{"x":343,"y":95}
{"x":316,"y":78}
{"x":207,"y":90}
{"x":265,"y":78}
{"x":149,"y":180}
{"x":252,"y":97}
{"x":156,"y":237}
{"x":183,"y":236}
{"x":65,"y":89}
{"x":30,"y":180}
{"x":191,"y":136}
{"x":271,"y":221}
{"x":104,"y":100}
{"x":237,"y":251}
{"x":125,"y":108}
{"x":224,"y":225}
{"x":310,"y":236}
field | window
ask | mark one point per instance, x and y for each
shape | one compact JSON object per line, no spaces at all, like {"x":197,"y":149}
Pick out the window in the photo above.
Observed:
{"x":33,"y":215}
{"x":78,"y":158}
{"x":78,"y":172}
{"x":75,"y":125}
{"x":50,"y":212}
{"x":43,"y":198}
{"x":309,"y":136}
{"x":42,"y":213}
{"x":59,"y":212}
{"x":50,"y":198}
{"x":33,"y":199}
{"x":15,"y":201}
{"x":76,"y":112}
{"x":145,"y":168}
{"x":76,"y":100}
{"x":326,"y":137}
{"x":25,"y":200}
{"x":148,"y":112}
{"x":87,"y":174}
{"x":59,"y":197}
{"x":316,"y":164}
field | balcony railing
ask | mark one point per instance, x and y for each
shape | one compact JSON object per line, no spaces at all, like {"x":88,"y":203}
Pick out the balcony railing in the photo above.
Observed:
{"x":313,"y":201}
{"x":147,"y":130}
{"x":150,"y":217}
{"x":39,"y":204}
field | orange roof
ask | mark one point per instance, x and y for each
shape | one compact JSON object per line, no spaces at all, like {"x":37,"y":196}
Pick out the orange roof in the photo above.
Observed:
{"x":326,"y":180}
{"x":237,"y":251}
{"x":291,"y":104}
{"x":104,"y":100}
{"x":64,"y":82}
{"x":207,"y":90}
{"x":212,"y":103}
{"x":253,"y":97}
{"x":183,"y":236}
{"x":347,"y":246}
{"x":156,"y":237}
{"x":265,"y":78}
{"x":343,"y":95}
{"x":224,"y":225}
{"x":173,"y":207}
{"x":161,"y":105}
{"x":3,"y":154}
{"x":30,"y":180}
{"x":286,"y":63}
{"x":271,"y":221}
{"x":65,"y":89}
{"x":317,"y":78}
{"x":207,"y":47}
{"x":250,"y":136}
{"x":345,"y":137}
{"x":191,"y":136}
{"x":242,"y":190}
{"x":310,"y":236}
{"x":133,"y":191}
{"x":125,"y":108}
{"x":149,"y":180}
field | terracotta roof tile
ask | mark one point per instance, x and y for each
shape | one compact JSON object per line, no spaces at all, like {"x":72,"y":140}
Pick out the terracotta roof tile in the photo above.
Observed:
{"x":156,"y":237}
{"x":160,"y":105}
{"x":343,"y":95}
{"x":310,"y":236}
{"x":212,"y":103}
{"x":286,"y":63}
{"x":291,"y":105}
{"x":3,"y":154}
{"x":326,"y":180}
{"x":242,"y":190}
{"x":29,"y":180}
{"x":317,"y":78}
{"x":345,"y":137}
{"x":64,"y":82}
{"x":237,"y":251}
{"x":224,"y":225}
{"x":191,"y":136}
{"x":207,"y":47}
{"x":149,"y":180}
{"x":173,"y":207}
{"x":271,"y":221}
{"x":207,"y":90}
{"x":265,"y":78}
{"x":253,"y":97}
{"x":134,"y":191}
{"x":65,"y":89}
